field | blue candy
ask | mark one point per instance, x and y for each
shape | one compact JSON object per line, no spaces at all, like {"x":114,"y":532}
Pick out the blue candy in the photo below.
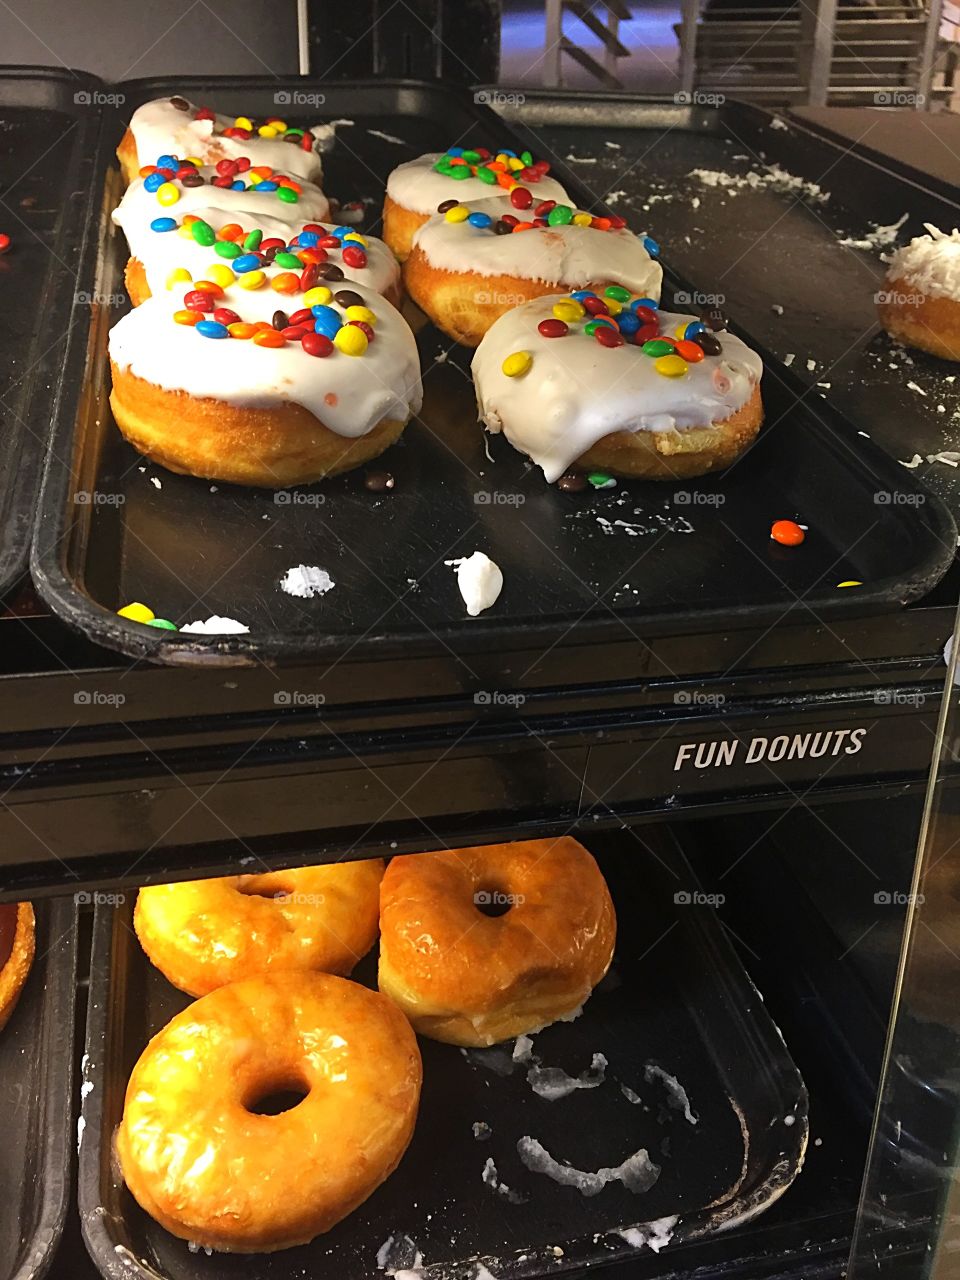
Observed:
{"x":454,"y":151}
{"x":327,"y":328}
{"x":308,"y":239}
{"x":168,"y":162}
{"x":163,"y":224}
{"x":693,"y":328}
{"x":580,"y":294}
{"x":246,"y":262}
{"x":238,"y":185}
{"x":340,"y":232}
{"x":629,"y":323}
{"x":267,"y":186}
{"x":479,"y":220}
{"x":212,"y":329}
{"x":644,"y":302}
{"x":152,"y":181}
{"x":651,"y":246}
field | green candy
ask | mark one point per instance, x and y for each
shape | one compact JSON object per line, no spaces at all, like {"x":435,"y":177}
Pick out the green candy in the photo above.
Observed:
{"x":527,"y":158}
{"x":162,"y":624}
{"x":600,"y":480}
{"x":487,"y":175}
{"x":442,"y":166}
{"x":287,"y":195}
{"x":591,"y":327}
{"x":253,"y":238}
{"x":657,"y":347}
{"x":560,"y":215}
{"x":284,"y":259}
{"x":460,"y":171}
{"x":203,"y":233}
{"x":227,"y":249}
{"x":294,"y":133}
{"x":617,"y":292}
{"x":471,"y":157}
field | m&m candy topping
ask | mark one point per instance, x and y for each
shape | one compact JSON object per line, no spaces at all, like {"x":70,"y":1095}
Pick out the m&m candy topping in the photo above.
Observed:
{"x":244,"y":127}
{"x":616,"y":318}
{"x":546,"y":214}
{"x":504,"y":169}
{"x":169,"y":175}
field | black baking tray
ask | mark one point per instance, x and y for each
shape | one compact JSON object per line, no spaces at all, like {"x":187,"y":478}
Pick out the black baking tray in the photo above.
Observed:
{"x":676,"y":996}
{"x":189,"y":552}
{"x":36,"y":1092}
{"x":49,"y":122}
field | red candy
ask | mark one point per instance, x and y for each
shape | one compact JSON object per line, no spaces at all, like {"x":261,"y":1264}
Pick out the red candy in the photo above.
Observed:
{"x":596,"y":306}
{"x":607,"y":336}
{"x":646,"y":315}
{"x":306,"y":144}
{"x":646,"y":332}
{"x":329,"y":242}
{"x":315,"y":227}
{"x":544,"y":207}
{"x":616,"y":222}
{"x":205,"y":113}
{"x":303,"y":316}
{"x":509,"y":219}
{"x":551,"y":328}
{"x":4,"y":243}
{"x":198,"y":300}
{"x":222,"y":182}
{"x":294,"y":332}
{"x":273,"y":243}
{"x":223,"y":315}
{"x":354,"y":256}
{"x":309,"y":277}
{"x":315,"y":344}
{"x":521,"y":198}
{"x":226,"y":168}
{"x":362,"y":324}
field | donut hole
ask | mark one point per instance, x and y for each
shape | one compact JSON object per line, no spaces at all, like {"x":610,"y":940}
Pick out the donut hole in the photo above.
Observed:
{"x":266,"y":886}
{"x":493,"y":900}
{"x":276,"y":1097}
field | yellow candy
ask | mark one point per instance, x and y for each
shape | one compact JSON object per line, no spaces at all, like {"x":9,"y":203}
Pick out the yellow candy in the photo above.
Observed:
{"x":194,"y":160}
{"x":179,"y":275}
{"x":681,"y":329}
{"x":361,"y":313}
{"x":582,"y":219}
{"x":136,"y":612}
{"x":253,"y":179}
{"x":221,"y":274}
{"x":253,"y":280}
{"x":242,"y":122}
{"x":319,"y":296}
{"x":516,"y":365}
{"x":356,"y":237}
{"x":350,"y":340}
{"x":190,"y":218}
{"x":850,"y":582}
{"x":613,"y":306}
{"x":569,"y":310}
{"x":514,"y":164}
{"x":281,"y":126}
{"x":670,"y":366}
{"x":268,"y":131}
{"x":241,"y":330}
{"x":459,"y":213}
{"x":184,"y":231}
{"x":167,"y":193}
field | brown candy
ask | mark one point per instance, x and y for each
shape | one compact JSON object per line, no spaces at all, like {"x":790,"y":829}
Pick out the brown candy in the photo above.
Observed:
{"x":572,"y":482}
{"x":444,"y":205}
{"x":180,"y":103}
{"x":329,"y":271}
{"x":280,"y":320}
{"x":347,"y":298}
{"x":714,"y":317}
{"x":378,"y":481}
{"x":708,"y":343}
{"x":192,"y":180}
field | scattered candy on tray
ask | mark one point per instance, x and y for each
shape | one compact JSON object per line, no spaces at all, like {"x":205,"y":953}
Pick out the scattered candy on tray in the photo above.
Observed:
{"x":787,"y":532}
{"x":4,"y":242}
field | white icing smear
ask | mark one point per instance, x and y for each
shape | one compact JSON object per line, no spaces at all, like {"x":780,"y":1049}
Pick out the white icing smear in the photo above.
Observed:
{"x":930,"y":263}
{"x":676,"y":1094}
{"x":159,"y":128}
{"x":306,"y":581}
{"x":578,"y":391}
{"x":569,"y":256}
{"x":162,"y":251}
{"x":553,"y":1082}
{"x":480,"y":581}
{"x":417,"y":186}
{"x":216,"y":626}
{"x":656,"y":1235}
{"x":638,"y":1173}
{"x":348,"y":394}
{"x":249,"y":207}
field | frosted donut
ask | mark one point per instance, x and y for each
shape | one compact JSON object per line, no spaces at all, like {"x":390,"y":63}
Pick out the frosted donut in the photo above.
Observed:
{"x":469,"y":265}
{"x":203,"y":934}
{"x":17,"y":946}
{"x":161,"y":254}
{"x":201,"y":1160}
{"x":471,"y":978}
{"x":568,"y":386}
{"x":416,"y":188}
{"x":920,"y":302}
{"x":196,"y":192}
{"x":175,"y":126}
{"x":209,"y":389}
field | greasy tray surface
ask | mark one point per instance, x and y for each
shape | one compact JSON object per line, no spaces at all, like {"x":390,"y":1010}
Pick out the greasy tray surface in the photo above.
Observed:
{"x":676,"y":996}
{"x":48,"y":126}
{"x":36,"y":1090}
{"x":659,"y":557}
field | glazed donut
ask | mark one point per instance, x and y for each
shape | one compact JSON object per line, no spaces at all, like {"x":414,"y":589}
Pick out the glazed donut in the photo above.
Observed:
{"x":201,"y":1159}
{"x":920,"y":301}
{"x":469,"y":978}
{"x":265,"y":194}
{"x":162,"y":253}
{"x":17,"y":946}
{"x":174,"y":125}
{"x":416,"y":188}
{"x":260,"y":407}
{"x":203,"y":934}
{"x":468,"y":265}
{"x":613,"y":383}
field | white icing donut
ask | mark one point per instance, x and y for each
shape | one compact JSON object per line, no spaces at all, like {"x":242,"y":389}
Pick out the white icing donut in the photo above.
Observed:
{"x":161,"y":128}
{"x":139,"y":206}
{"x":577,"y":391}
{"x":350,"y":394}
{"x":418,"y":186}
{"x":163,"y":251}
{"x":930,"y":263}
{"x":565,"y":255}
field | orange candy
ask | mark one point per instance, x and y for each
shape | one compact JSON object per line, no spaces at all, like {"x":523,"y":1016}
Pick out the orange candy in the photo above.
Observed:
{"x":269,"y":337}
{"x":147,"y":169}
{"x":286,"y":282}
{"x":207,"y":286}
{"x":262,"y":170}
{"x":187,"y":317}
{"x":601,"y":224}
{"x":690,"y":351}
{"x":240,"y":330}
{"x":232,"y":231}
{"x":524,"y":226}
{"x":787,"y":532}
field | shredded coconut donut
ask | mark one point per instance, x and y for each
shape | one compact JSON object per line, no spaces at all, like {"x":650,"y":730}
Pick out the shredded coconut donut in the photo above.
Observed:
{"x":930,"y":263}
